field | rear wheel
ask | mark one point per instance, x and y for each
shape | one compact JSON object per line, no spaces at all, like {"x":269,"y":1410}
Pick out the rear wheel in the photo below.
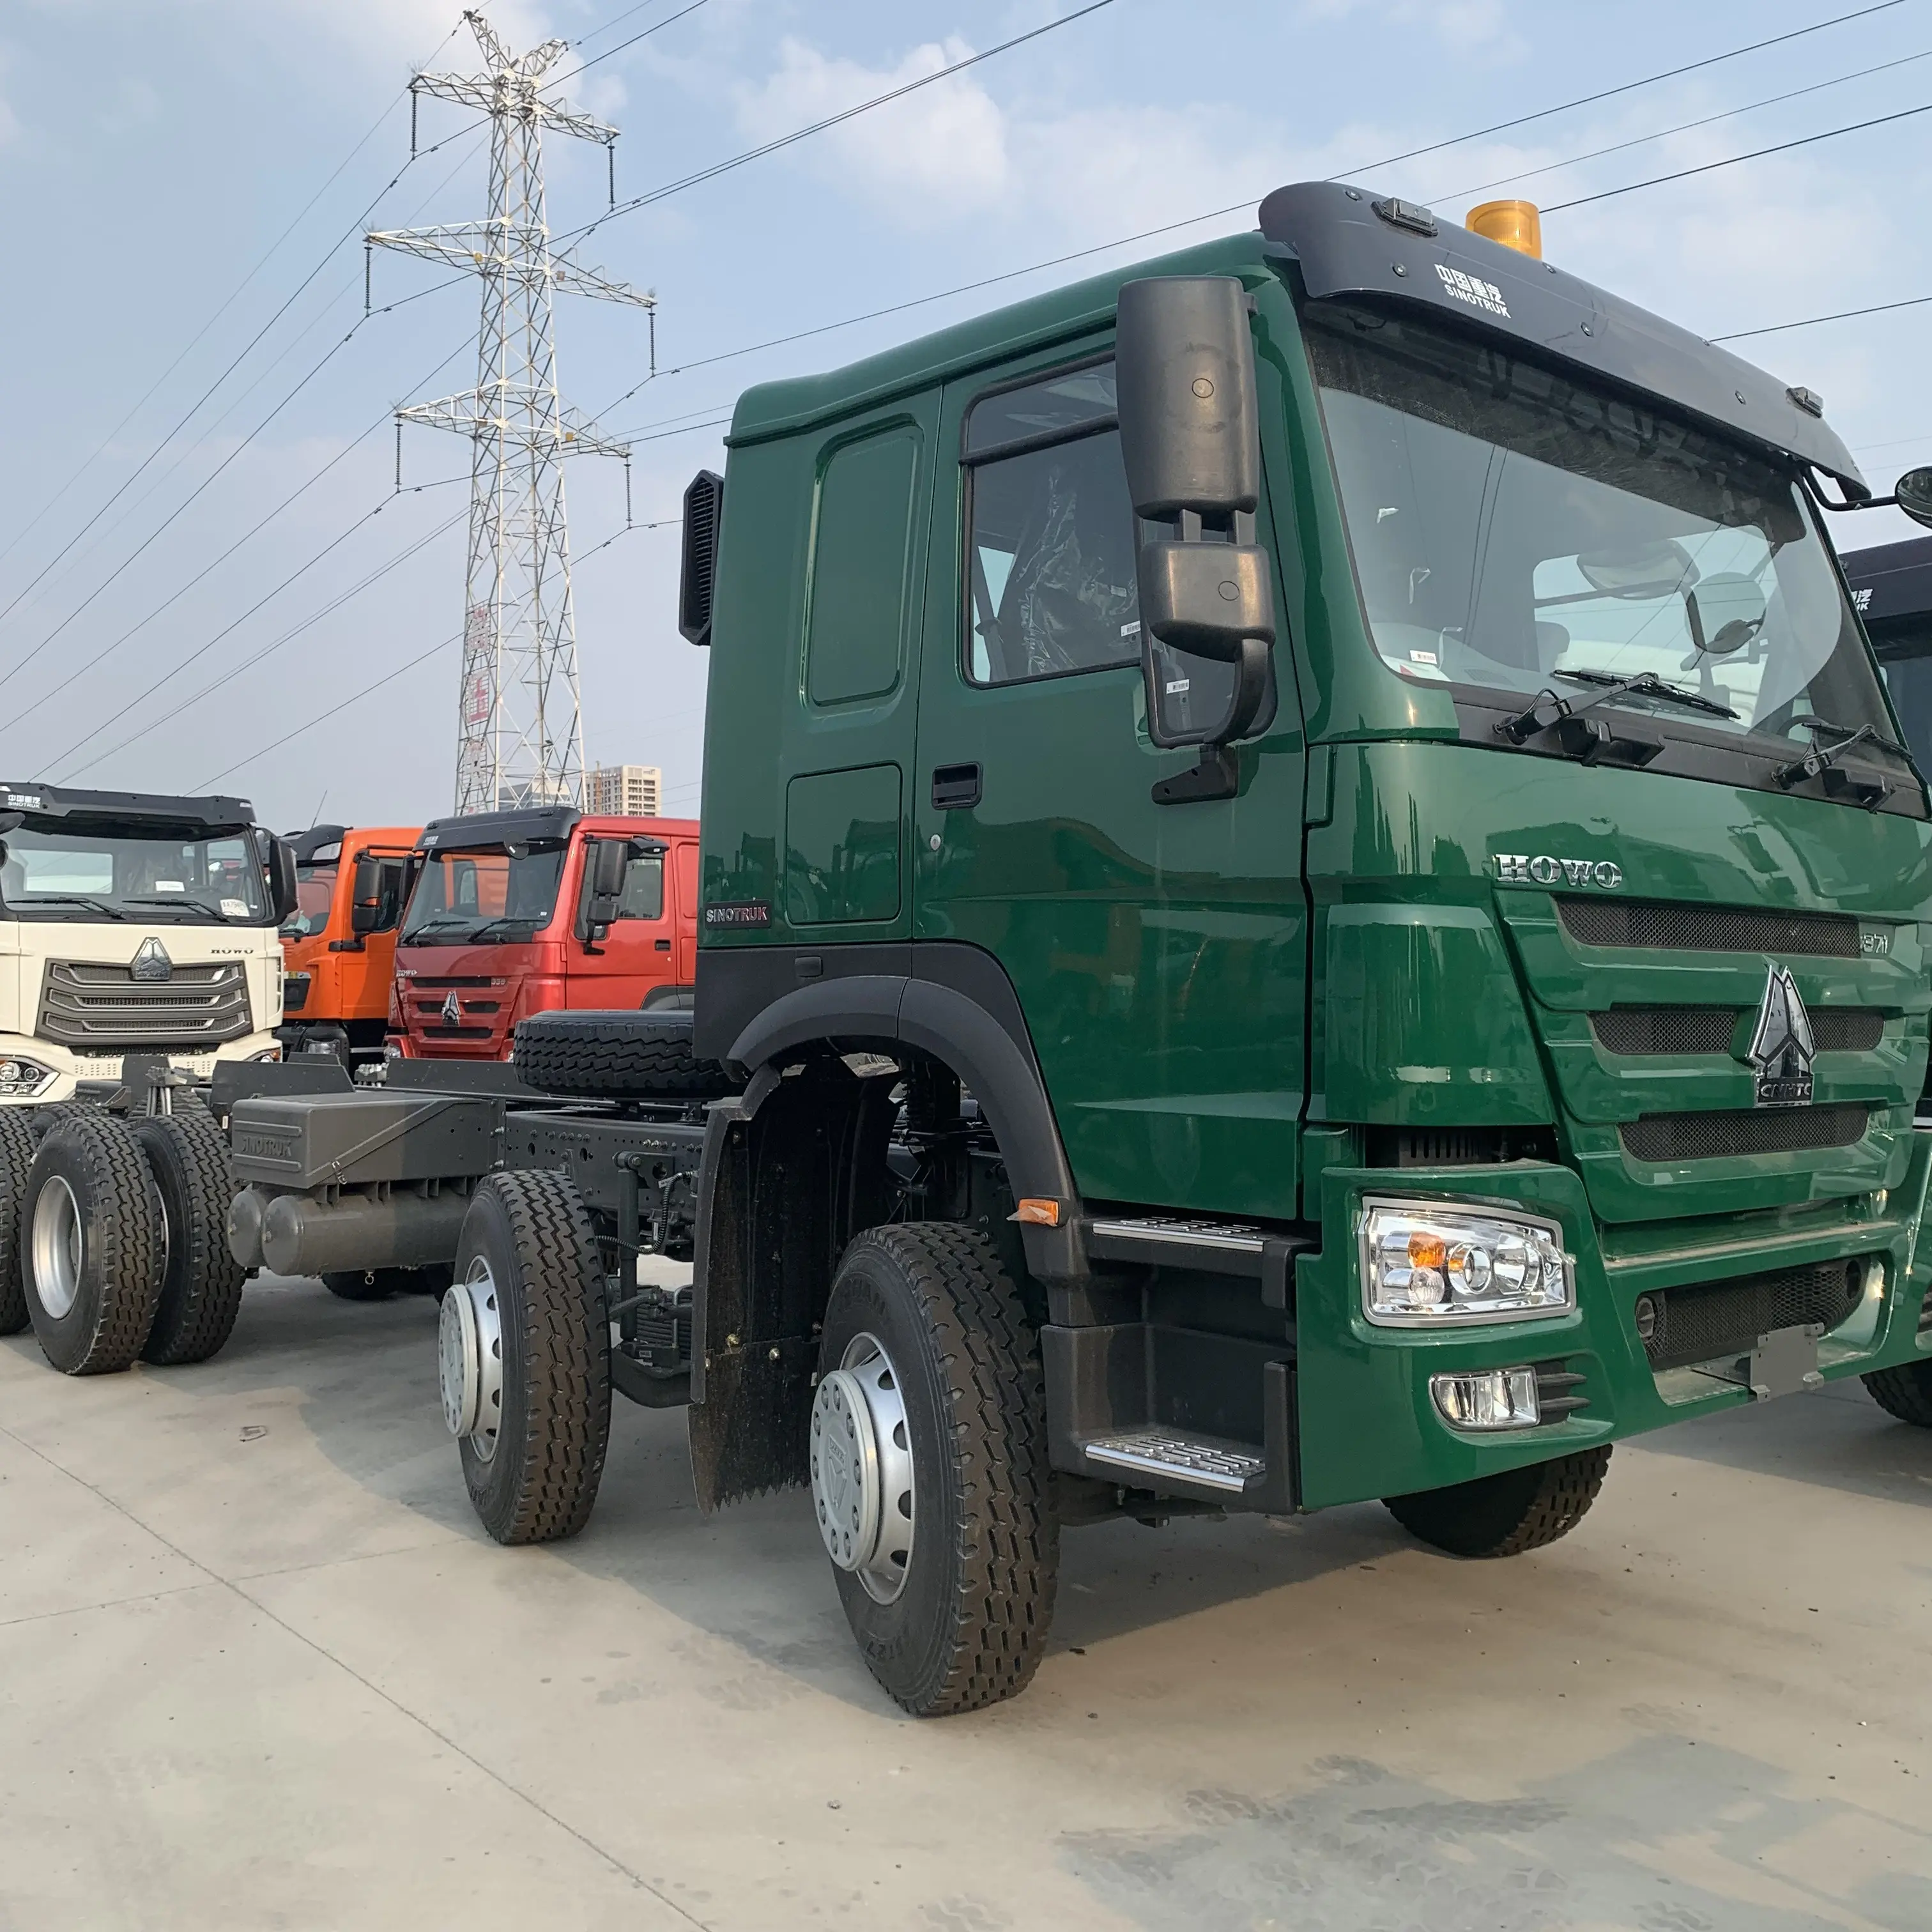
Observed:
{"x":1504,"y":1515}
{"x":202,"y":1281}
{"x":1905,"y":1392}
{"x":929,"y":1474}
{"x":17,"y":1141}
{"x":524,"y":1358}
{"x":91,"y":1244}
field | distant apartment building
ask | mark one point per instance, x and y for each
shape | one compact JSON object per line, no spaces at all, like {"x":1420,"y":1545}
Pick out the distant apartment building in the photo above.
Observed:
{"x":634,"y":791}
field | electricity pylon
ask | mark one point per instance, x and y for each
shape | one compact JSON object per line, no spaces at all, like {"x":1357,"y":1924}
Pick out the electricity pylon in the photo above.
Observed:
{"x":519,"y":731}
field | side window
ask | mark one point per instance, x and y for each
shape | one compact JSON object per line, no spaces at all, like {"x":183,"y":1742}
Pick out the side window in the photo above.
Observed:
{"x":861,"y":550}
{"x":1051,"y":537}
{"x":643,"y":895}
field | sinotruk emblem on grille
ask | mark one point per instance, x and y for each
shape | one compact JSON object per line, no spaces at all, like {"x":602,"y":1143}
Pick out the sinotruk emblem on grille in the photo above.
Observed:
{"x":151,"y":962}
{"x":1782,"y":1049}
{"x":452,"y":1011}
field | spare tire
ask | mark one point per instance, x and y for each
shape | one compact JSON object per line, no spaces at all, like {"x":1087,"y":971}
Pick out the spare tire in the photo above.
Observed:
{"x":617,"y":1056}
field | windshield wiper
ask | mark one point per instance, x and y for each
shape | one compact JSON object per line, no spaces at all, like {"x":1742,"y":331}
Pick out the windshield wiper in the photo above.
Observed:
{"x":1823,"y":763}
{"x":1864,"y":734}
{"x":509,"y":918}
{"x":1648,"y":684}
{"x":173,"y":904}
{"x":1590,"y":739}
{"x":432,"y":925}
{"x":101,"y":906}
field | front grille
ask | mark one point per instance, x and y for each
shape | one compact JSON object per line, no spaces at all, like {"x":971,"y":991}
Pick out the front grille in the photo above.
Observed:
{"x":1710,"y":1029}
{"x":295,"y":992}
{"x":455,"y":1032}
{"x":1680,"y":1325}
{"x":1696,"y":928}
{"x":86,"y":1005}
{"x":1662,"y":1137}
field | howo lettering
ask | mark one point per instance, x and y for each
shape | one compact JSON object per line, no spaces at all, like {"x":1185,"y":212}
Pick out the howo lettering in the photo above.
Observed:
{"x":1266,"y":915}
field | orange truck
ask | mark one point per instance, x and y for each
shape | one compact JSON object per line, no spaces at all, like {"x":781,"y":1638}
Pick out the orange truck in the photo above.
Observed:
{"x":524,"y":911}
{"x":339,"y":944}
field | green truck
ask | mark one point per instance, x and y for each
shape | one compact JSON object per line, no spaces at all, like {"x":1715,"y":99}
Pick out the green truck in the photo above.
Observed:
{"x":1308,"y":895}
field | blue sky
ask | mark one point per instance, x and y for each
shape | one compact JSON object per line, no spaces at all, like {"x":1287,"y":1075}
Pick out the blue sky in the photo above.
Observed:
{"x":150,"y":154}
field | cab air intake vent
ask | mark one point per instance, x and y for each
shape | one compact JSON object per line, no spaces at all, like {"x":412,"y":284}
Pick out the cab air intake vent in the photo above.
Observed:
{"x":1711,"y":1029}
{"x":1671,"y":1137}
{"x":1694,"y":929}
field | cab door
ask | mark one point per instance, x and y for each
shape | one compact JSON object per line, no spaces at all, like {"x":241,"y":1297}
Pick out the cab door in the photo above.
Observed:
{"x":636,"y":954}
{"x":1158,"y":951}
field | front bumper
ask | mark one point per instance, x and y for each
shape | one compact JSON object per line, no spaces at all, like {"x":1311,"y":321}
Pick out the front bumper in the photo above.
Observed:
{"x":1368,"y":1426}
{"x":72,"y":1070}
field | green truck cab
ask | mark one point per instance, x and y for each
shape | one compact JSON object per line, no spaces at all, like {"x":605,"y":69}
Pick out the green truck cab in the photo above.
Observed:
{"x":1293,"y":856}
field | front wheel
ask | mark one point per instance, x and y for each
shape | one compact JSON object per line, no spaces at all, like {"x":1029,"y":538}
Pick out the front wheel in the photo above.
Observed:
{"x":16,"y":1156}
{"x":202,"y":1281}
{"x":1905,"y":1392}
{"x":92,"y":1245}
{"x":1504,"y":1515}
{"x":523,"y":1357}
{"x":929,"y":1474}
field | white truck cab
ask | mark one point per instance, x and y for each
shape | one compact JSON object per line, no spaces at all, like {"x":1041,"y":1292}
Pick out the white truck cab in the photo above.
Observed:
{"x":131,"y":922}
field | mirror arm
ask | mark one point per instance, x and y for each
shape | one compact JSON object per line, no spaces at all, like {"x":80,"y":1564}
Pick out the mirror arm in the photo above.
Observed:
{"x":1217,"y":775}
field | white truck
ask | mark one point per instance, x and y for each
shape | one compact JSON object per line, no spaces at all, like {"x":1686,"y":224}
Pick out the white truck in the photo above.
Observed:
{"x":138,"y":949}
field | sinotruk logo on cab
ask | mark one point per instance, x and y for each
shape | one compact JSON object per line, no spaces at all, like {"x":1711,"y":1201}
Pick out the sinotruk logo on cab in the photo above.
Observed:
{"x":1474,"y":290}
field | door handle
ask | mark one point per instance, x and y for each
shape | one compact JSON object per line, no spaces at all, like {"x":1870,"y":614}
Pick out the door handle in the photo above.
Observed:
{"x":955,"y":787}
{"x":663,"y":945}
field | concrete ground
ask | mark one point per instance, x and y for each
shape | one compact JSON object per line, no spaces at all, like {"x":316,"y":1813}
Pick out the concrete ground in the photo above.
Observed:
{"x":260,"y":1668}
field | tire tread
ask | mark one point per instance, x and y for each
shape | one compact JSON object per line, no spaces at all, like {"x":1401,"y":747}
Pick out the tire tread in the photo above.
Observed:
{"x":1508,"y":1514}
{"x":17,"y":1143}
{"x":1904,"y":1392}
{"x":196,"y":1324}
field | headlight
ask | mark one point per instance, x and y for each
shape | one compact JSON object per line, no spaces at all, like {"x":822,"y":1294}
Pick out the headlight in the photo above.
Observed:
{"x":24,"y":1079}
{"x":267,"y":1053}
{"x":1429,"y":1266}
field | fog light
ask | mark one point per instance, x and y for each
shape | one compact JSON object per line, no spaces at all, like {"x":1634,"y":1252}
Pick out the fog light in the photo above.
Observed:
{"x":1489,"y":1399}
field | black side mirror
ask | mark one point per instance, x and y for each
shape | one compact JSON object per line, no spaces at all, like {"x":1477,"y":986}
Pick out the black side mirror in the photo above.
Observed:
{"x":1726,"y":612}
{"x":604,"y":867}
{"x":365,"y":900}
{"x":703,"y":513}
{"x":1913,"y":491}
{"x":281,"y":871}
{"x":1190,"y":438}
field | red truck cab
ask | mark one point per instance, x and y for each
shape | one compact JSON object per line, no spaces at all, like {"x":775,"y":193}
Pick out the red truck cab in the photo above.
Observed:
{"x":516,"y":912}
{"x":339,"y":943}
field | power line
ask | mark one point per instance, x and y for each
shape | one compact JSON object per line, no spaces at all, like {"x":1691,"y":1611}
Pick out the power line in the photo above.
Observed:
{"x":1812,"y":321}
{"x":846,"y":114}
{"x":247,"y":350}
{"x":1732,"y":160}
{"x":267,"y":650}
{"x":233,"y":296}
{"x":671,"y":20}
{"x":1683,"y":127}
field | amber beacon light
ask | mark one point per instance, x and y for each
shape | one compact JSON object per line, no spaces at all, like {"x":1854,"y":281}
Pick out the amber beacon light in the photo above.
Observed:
{"x":1516,"y":224}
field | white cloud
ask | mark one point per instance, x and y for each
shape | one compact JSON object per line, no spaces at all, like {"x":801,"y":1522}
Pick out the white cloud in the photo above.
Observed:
{"x":941,"y":152}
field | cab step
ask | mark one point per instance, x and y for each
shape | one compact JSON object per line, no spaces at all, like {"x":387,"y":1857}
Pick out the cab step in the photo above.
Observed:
{"x":1213,"y":1247}
{"x":1164,"y":1455}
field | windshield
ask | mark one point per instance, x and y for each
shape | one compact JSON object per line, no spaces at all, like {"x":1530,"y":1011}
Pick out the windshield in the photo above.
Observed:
{"x":124,"y":871}
{"x":464,"y":896}
{"x":315,"y":887}
{"x":1511,"y":525}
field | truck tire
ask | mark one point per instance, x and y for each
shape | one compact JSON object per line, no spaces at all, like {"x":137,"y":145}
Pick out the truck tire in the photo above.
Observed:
{"x":617,"y":1056}
{"x":17,"y":1141}
{"x":201,"y":1281}
{"x":929,"y":1472}
{"x":1905,"y":1391}
{"x":90,"y":1245}
{"x":523,"y":1355}
{"x":1504,"y":1515}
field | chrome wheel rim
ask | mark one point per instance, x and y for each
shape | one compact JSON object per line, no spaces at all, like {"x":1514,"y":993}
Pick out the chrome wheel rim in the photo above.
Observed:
{"x":59,"y":1248}
{"x":469,"y":1360}
{"x":862,"y":1468}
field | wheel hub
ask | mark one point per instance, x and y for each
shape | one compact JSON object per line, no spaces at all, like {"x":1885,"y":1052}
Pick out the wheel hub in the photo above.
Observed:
{"x":58,"y":1249}
{"x":862,"y":1468}
{"x":469,"y":1360}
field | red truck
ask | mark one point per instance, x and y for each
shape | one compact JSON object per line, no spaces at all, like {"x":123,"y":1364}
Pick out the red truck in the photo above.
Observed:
{"x":516,"y":912}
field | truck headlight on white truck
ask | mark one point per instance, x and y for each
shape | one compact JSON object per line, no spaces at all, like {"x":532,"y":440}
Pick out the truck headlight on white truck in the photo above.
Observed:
{"x":1425,"y":1266}
{"x":22,"y":1079}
